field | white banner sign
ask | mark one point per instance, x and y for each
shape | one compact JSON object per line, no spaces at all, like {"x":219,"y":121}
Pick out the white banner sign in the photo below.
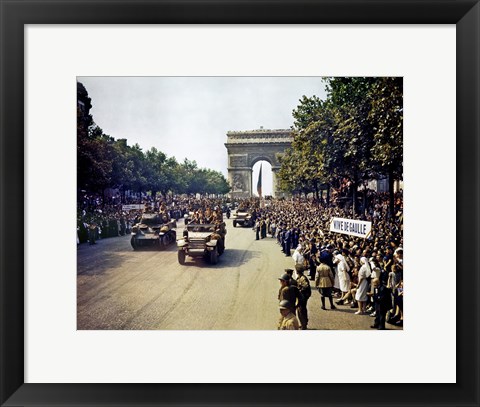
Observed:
{"x":351,"y":227}
{"x":133,"y":207}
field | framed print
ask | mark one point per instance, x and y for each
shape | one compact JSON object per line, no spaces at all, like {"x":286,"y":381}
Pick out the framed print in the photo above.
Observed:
{"x":45,"y":46}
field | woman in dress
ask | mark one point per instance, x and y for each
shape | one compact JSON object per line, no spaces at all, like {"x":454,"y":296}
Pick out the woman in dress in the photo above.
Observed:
{"x":361,"y":295}
{"x":343,"y":276}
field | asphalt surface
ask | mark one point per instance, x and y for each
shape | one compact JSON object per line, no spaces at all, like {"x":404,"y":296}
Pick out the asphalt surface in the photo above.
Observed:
{"x":118,"y":288}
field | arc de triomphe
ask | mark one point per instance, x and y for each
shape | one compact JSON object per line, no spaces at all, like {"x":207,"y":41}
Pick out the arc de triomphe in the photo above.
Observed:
{"x":245,"y":148}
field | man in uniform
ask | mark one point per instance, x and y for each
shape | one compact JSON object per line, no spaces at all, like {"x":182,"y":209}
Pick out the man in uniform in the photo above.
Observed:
{"x":263,"y":228}
{"x":383,"y":302}
{"x":292,"y":281}
{"x":324,"y":281}
{"x":305,"y":292}
{"x":257,"y":229}
{"x":287,"y":291}
{"x":287,"y":242}
{"x":288,"y":320}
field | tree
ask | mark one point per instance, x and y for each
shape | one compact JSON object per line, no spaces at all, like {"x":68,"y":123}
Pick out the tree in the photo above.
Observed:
{"x":349,"y":150}
{"x":105,"y":162}
{"x":355,"y":134}
{"x":387,"y":118}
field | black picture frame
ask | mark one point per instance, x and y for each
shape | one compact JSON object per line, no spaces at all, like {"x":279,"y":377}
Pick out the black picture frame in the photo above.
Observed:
{"x":16,"y":14}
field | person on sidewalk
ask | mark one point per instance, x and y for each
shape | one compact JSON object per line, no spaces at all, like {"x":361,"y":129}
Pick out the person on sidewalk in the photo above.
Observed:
{"x":382,"y":298}
{"x":305,"y":292}
{"x":361,"y":295}
{"x":324,"y":281}
{"x":288,"y":320}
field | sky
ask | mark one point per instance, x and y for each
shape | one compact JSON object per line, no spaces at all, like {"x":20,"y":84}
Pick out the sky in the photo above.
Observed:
{"x":189,"y":117}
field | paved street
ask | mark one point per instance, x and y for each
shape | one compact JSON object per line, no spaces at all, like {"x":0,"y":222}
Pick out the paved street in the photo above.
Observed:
{"x":118,"y":288}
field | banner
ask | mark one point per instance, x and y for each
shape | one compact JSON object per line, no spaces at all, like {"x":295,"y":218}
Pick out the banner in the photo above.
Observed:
{"x":351,"y":227}
{"x":132,"y":207}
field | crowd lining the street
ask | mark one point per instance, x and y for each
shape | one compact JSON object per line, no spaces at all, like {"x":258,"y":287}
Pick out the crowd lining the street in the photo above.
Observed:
{"x":364,"y":274}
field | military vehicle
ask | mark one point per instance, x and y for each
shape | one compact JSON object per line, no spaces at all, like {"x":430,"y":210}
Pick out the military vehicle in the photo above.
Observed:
{"x":153,"y":230}
{"x":207,"y":241}
{"x":243,"y":218}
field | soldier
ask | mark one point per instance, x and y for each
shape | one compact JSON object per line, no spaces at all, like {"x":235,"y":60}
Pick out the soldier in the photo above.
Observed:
{"x":287,"y":242}
{"x":263,"y":228}
{"x":284,"y":284}
{"x":164,"y":215}
{"x":208,"y":215}
{"x":305,"y":293}
{"x":292,"y":281}
{"x":326,"y":253}
{"x":383,"y":301}
{"x":220,"y":232}
{"x":288,"y":289}
{"x":324,"y":281}
{"x":148,"y":208}
{"x":288,"y":320}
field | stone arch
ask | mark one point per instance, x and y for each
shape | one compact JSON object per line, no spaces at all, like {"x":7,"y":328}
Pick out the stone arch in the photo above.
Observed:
{"x":266,"y":158}
{"x":245,"y":148}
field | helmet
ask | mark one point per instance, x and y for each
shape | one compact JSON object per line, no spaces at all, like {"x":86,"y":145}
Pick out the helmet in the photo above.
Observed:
{"x":299,"y":268}
{"x":285,"y":304}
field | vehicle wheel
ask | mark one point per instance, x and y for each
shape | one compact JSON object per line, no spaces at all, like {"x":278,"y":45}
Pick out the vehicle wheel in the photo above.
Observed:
{"x":234,"y":223}
{"x":181,"y":257}
{"x":221,"y":248}
{"x":214,"y":256}
{"x":133,"y":243}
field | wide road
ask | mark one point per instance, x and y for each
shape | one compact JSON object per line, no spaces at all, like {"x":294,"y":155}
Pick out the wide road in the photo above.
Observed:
{"x":118,"y":288}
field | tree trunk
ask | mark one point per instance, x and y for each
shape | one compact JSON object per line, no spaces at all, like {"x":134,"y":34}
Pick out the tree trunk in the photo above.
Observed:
{"x":354,"y":197}
{"x":365,"y":201}
{"x":328,"y":195}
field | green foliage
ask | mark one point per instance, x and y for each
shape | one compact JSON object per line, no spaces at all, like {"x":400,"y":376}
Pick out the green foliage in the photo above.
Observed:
{"x":356,"y":133}
{"x":387,"y":118}
{"x":104,"y":162}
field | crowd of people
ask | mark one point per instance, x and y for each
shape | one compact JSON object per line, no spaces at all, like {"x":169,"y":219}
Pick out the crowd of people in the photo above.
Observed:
{"x":363,"y":273}
{"x":101,"y":217}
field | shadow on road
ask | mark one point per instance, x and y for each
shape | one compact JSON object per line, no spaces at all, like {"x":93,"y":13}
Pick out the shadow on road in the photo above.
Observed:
{"x":231,"y":258}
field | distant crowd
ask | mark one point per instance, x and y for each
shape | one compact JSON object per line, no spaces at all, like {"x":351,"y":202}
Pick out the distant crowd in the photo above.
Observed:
{"x":99,"y":217}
